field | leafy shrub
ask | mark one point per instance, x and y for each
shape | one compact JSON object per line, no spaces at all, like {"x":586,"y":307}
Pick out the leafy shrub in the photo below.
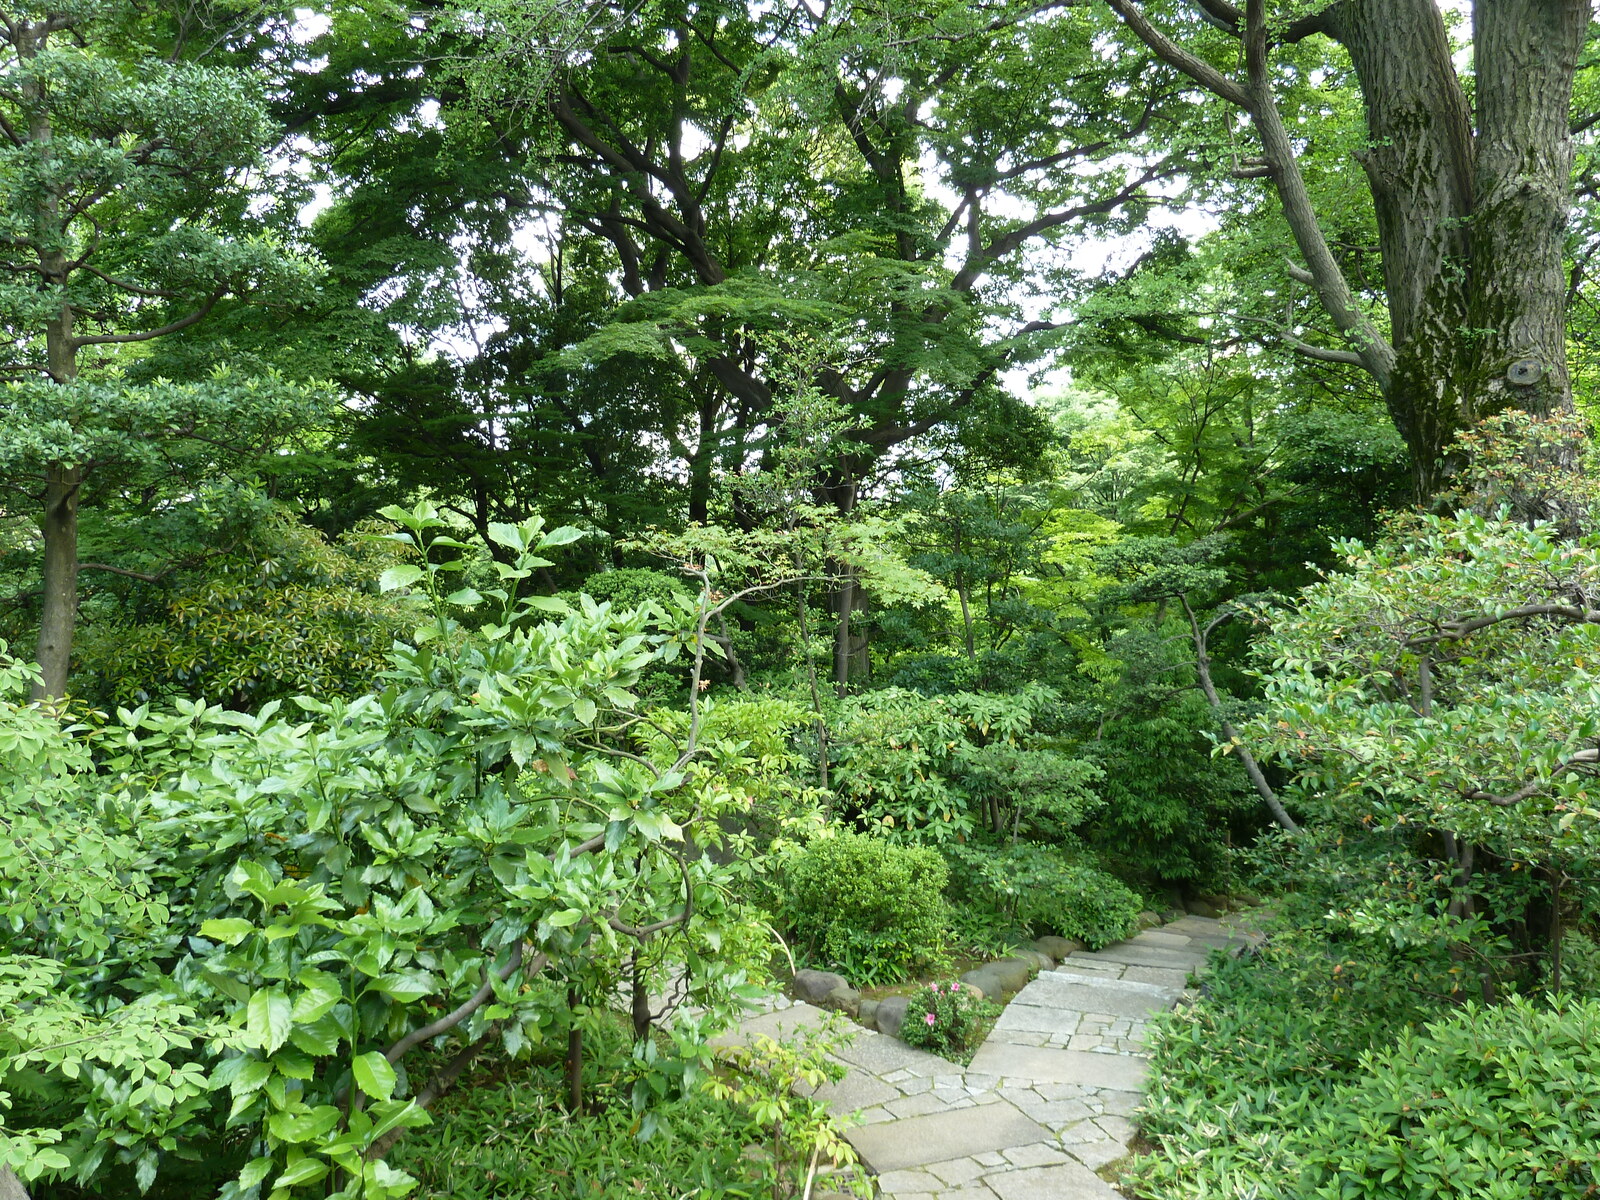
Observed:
{"x":867,"y":906}
{"x":943,"y":1018}
{"x":287,"y":615}
{"x":630,"y":587}
{"x":1502,"y":1103}
{"x":1040,"y":889}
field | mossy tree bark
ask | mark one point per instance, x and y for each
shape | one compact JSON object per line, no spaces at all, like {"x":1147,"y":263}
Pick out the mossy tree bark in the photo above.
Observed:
{"x":1471,"y":199}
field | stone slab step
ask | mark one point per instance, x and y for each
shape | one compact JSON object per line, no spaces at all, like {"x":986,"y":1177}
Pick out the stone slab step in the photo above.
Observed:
{"x":1113,"y":997}
{"x":1130,"y":955}
{"x":784,"y":1022}
{"x":1065,"y":1181}
{"x":1119,"y":1072}
{"x":938,"y":1137}
{"x":1065,"y":977}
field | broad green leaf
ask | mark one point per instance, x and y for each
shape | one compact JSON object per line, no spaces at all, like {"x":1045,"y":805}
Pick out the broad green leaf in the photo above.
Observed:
{"x":228,"y":930}
{"x":269,"y":1017}
{"x":399,"y":576}
{"x":375,"y":1075}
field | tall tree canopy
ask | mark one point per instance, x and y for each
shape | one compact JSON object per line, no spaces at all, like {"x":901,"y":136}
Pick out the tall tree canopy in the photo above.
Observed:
{"x":1471,"y":197}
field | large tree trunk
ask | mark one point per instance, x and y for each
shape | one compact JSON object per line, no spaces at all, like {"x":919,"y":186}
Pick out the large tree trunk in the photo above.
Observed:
{"x":1470,"y":220}
{"x":1471,"y":227}
{"x":1526,"y":52}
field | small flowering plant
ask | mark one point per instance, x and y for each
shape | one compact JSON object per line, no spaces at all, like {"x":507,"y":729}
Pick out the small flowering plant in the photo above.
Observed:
{"x":944,"y":1018}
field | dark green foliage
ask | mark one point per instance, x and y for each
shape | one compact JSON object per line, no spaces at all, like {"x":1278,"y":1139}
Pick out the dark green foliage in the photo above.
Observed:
{"x":1036,"y":889}
{"x":871,"y":908}
{"x":944,"y":1018}
{"x":1499,"y":1103}
{"x":1167,"y":802}
{"x":1331,"y":1065}
{"x":289,"y":614}
{"x":630,"y":587}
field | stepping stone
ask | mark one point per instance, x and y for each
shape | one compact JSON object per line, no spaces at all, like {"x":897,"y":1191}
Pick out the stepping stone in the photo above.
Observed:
{"x":1112,"y":997}
{"x":1119,"y":1072}
{"x":785,"y":1022}
{"x":1065,"y":1181}
{"x":939,"y":1137}
{"x":856,"y":1090}
{"x":1088,"y":966}
{"x":1037,"y":1018}
{"x":884,"y":1055}
{"x":1167,"y":977}
{"x":1143,"y":956}
{"x":1160,"y":937}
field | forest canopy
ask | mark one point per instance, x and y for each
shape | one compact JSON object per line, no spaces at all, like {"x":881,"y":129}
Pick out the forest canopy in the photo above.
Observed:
{"x":524,"y":524}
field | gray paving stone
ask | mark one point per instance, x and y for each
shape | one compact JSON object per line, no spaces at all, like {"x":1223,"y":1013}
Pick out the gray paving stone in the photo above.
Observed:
{"x":957,"y":1171}
{"x":990,"y":1159}
{"x":1119,"y":1071}
{"x":774,"y":1025}
{"x":1065,"y":1181}
{"x":1039,"y":1016}
{"x":976,"y":1190}
{"x":1110,"y":997}
{"x":1090,"y":967}
{"x":856,"y":1090}
{"x":1095,"y":1155}
{"x":1160,"y":937}
{"x":939,"y":1137}
{"x":908,"y":1181}
{"x":1040,"y":1154}
{"x":917,"y":1106}
{"x":1174,"y":978}
{"x":1142,"y":956}
{"x":884,"y":1055}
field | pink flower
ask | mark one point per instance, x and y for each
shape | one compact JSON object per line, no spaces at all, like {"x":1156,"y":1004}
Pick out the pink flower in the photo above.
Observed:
{"x":930,"y":1018}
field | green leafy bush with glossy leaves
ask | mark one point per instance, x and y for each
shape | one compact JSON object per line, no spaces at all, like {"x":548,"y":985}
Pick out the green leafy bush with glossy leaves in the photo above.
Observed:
{"x":1493,"y":1103}
{"x":943,"y":1017}
{"x":871,"y":908}
{"x":1033,"y":888}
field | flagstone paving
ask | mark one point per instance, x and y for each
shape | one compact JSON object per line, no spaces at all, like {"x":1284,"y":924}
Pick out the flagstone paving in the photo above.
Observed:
{"x":1047,"y":1100}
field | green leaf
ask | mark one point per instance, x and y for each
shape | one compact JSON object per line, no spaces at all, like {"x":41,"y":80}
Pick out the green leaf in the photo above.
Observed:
{"x":563,"y":919}
{"x":230,"y":931}
{"x":268,"y":1018}
{"x":560,"y":537}
{"x":254,"y":1172}
{"x":402,"y":575}
{"x":302,"y":1170}
{"x":375,"y":1075}
{"x":466,"y":598}
{"x":584,"y":709}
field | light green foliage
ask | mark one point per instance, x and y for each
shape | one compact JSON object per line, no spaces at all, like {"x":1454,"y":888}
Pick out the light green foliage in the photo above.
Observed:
{"x":1500,"y":1102}
{"x":485,"y":839}
{"x":1410,"y":690}
{"x":513,"y":1138}
{"x":1307,"y":1071}
{"x":773,"y":1082}
{"x":871,"y":908}
{"x":937,"y":770}
{"x":943,"y":1018}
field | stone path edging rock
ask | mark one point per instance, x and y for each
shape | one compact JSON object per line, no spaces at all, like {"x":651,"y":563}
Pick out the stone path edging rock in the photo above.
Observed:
{"x":1049,"y":1096}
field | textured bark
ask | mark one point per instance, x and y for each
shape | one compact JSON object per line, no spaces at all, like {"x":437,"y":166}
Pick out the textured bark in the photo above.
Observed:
{"x":1471,"y":206}
{"x":58,"y":524}
{"x":1527,"y":52}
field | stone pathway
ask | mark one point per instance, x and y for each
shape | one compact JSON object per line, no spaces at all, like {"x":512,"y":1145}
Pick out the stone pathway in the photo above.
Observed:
{"x":1048,"y":1097}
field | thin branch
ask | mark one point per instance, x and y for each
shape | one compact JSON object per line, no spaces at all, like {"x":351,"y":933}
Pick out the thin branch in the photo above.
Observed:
{"x":109,"y":339}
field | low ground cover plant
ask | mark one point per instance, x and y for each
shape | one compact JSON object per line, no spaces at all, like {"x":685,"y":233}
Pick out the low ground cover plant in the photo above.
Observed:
{"x":945,"y":1018}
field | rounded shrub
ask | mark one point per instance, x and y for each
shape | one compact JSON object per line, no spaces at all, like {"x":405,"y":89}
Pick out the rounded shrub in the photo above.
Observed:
{"x":1497,"y":1102}
{"x":871,"y":908}
{"x":942,"y":1018}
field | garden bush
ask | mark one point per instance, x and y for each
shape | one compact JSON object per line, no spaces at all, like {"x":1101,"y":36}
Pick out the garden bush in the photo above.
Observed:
{"x":1032,"y":888}
{"x":1494,"y":1103}
{"x":943,"y":1018}
{"x":871,"y":908}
